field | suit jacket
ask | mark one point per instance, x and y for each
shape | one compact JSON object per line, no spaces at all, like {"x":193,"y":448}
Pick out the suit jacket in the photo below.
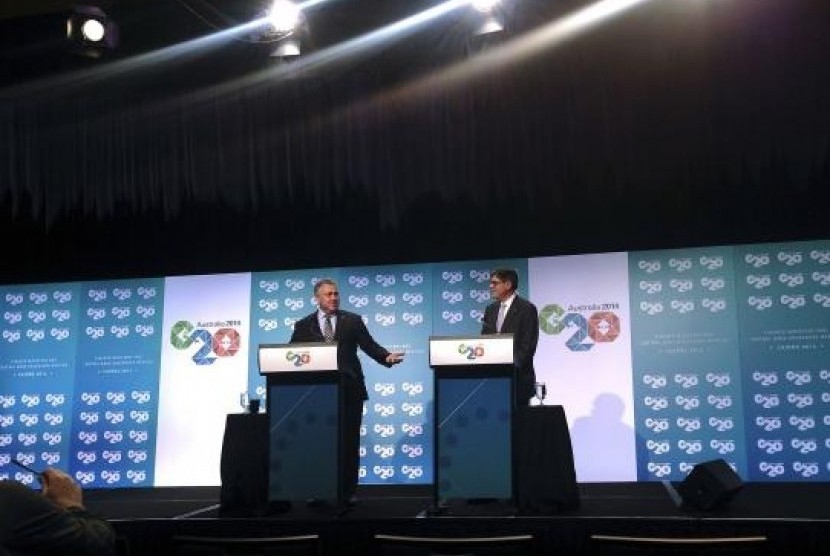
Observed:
{"x":521,"y":320}
{"x":31,"y":524}
{"x":350,"y":333}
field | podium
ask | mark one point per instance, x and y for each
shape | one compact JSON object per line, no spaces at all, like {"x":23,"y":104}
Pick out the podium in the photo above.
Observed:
{"x":304,"y":409}
{"x":474,"y":416}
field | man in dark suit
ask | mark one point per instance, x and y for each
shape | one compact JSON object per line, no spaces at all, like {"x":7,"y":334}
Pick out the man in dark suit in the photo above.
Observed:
{"x":53,"y":521}
{"x":328,"y":324}
{"x":511,"y":314}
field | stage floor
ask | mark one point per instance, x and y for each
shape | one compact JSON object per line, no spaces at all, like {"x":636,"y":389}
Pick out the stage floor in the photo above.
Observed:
{"x":755,"y":501}
{"x":794,"y":518}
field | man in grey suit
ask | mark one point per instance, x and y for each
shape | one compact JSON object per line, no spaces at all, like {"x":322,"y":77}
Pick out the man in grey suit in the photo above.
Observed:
{"x":512,"y":314}
{"x":330,"y":323}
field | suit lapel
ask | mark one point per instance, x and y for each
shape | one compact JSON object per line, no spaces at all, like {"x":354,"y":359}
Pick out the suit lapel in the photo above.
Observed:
{"x":338,"y":325}
{"x":508,"y":317}
{"x":315,"y":327}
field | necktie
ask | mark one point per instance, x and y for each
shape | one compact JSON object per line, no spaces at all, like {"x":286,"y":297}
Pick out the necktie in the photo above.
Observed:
{"x":500,"y":319}
{"x":328,"y":329}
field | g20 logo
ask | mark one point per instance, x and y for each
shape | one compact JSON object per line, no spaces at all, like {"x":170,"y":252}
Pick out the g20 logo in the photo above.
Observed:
{"x":412,"y":471}
{"x":383,"y":471}
{"x":649,"y":266}
{"x":269,"y":286}
{"x":769,"y":424}
{"x":413,"y":298}
{"x":412,"y":430}
{"x":298,"y":358}
{"x":413,"y":278}
{"x":680,"y":265}
{"x":471,"y":352}
{"x":385,"y":280}
{"x":222,"y":343}
{"x":384,"y":430}
{"x":790,"y":258}
{"x":658,"y":448}
{"x":659,"y":469}
{"x":452,"y":277}
{"x":452,"y":317}
{"x":657,"y":425}
{"x":654,"y":380}
{"x":413,"y":319}
{"x":602,"y":326}
{"x":385,"y":451}
{"x":757,"y":260}
{"x":412,"y":450}
{"x":712,"y":262}
{"x":385,"y":388}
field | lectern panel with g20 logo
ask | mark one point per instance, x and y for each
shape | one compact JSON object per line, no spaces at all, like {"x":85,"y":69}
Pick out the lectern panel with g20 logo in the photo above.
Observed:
{"x":474,"y":410}
{"x":304,"y":421}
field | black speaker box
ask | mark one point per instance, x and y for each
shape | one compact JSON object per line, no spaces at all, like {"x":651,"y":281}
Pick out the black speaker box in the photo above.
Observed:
{"x":709,"y":485}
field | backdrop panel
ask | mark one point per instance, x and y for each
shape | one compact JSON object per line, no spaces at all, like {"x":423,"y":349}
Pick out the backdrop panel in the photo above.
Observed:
{"x":661,"y":359}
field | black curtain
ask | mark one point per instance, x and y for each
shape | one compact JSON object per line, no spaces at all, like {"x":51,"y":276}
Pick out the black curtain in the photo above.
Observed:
{"x":675,"y":124}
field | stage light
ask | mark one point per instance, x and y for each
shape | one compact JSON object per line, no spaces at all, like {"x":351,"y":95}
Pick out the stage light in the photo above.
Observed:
{"x":484,"y":6}
{"x":490,"y":25}
{"x":286,"y":29}
{"x":487,"y":26}
{"x":284,"y":16}
{"x":488,"y":18}
{"x":91,"y":30}
{"x":286,"y":49}
{"x":485,"y":39}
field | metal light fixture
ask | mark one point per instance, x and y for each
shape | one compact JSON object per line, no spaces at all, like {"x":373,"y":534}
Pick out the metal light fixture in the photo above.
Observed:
{"x":91,"y":31}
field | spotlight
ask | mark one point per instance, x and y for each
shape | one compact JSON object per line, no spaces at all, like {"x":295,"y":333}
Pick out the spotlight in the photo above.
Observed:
{"x":286,"y":28}
{"x":287,"y":48}
{"x":484,"y":6}
{"x":91,"y":30}
{"x":284,"y":16}
{"x":487,"y":21}
{"x":490,"y":25}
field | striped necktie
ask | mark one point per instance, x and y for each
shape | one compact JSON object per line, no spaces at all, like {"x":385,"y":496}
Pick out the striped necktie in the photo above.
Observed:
{"x":328,"y":330}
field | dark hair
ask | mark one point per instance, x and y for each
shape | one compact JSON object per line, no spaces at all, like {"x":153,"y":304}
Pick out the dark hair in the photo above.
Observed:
{"x":322,"y":282}
{"x":507,"y":275}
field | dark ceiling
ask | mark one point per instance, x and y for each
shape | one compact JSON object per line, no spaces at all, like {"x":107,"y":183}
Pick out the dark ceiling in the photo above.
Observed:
{"x":681,"y":123}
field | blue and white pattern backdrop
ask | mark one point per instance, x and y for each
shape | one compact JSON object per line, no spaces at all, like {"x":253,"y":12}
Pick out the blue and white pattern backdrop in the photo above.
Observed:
{"x":37,"y":362}
{"x":84,"y":368}
{"x":116,"y":383}
{"x":661,"y":359}
{"x":784,"y":310}
{"x":461,"y":292}
{"x":396,"y":435}
{"x":686,"y":368}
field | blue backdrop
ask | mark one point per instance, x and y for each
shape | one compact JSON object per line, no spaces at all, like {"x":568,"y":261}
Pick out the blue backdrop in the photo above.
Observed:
{"x":730,"y":359}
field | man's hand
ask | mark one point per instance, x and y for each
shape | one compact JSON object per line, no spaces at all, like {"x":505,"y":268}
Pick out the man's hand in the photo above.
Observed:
{"x":61,"y":489}
{"x":395,"y":357}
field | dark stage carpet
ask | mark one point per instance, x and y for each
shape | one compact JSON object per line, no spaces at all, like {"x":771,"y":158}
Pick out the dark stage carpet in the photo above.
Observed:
{"x":789,"y":518}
